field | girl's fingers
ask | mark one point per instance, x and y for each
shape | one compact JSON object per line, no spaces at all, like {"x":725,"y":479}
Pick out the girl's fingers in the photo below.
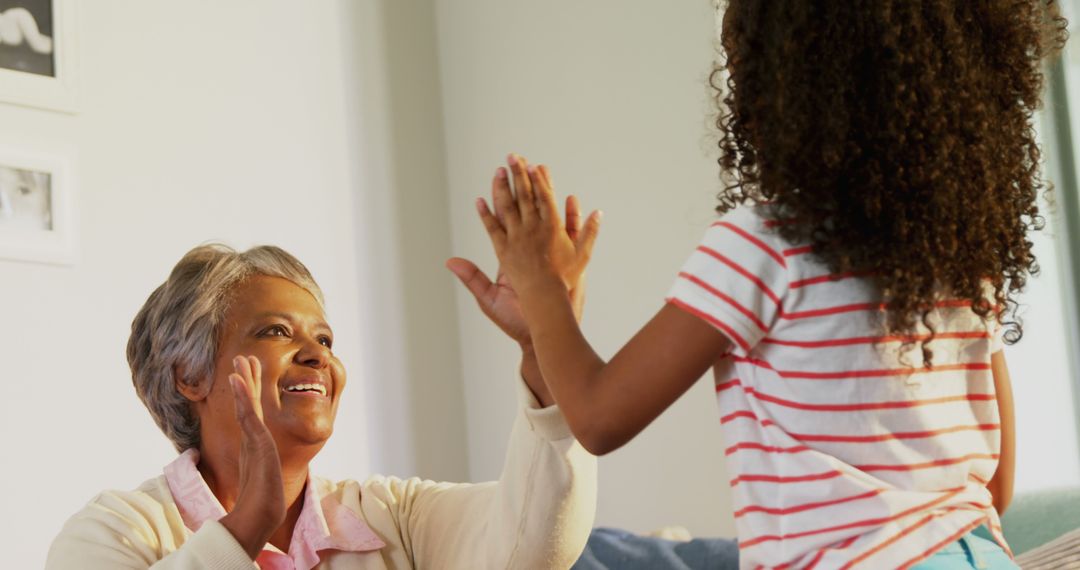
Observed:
{"x":573,"y":218}
{"x":545,"y":195}
{"x":503,"y":200}
{"x":536,"y":178}
{"x":523,"y":188}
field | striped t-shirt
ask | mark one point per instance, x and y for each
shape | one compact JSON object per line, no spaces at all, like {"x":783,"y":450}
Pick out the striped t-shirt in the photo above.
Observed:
{"x":842,"y":453}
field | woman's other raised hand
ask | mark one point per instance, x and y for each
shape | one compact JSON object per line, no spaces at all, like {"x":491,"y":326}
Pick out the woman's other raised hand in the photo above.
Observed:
{"x":260,"y":503}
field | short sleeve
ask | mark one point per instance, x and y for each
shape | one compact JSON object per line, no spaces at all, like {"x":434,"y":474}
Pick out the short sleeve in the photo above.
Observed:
{"x":735,"y":279}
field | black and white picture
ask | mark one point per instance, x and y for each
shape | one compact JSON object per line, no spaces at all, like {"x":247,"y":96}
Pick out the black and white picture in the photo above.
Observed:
{"x":27,"y":41}
{"x":37,"y":221}
{"x":25,"y":200}
{"x":39,"y":54}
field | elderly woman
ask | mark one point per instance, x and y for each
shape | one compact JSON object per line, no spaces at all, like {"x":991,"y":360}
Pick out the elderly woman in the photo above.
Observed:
{"x":234,"y":359}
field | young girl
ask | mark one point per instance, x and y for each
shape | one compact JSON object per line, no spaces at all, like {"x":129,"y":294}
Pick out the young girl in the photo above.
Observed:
{"x":850,"y":300}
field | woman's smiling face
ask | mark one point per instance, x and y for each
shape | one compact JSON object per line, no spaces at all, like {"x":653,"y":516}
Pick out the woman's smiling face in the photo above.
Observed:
{"x":283,"y":326}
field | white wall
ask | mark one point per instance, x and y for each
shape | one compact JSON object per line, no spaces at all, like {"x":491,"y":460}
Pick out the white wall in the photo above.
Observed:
{"x":612,"y":95}
{"x":407,"y":305}
{"x":231,"y":121}
{"x":1047,"y":454}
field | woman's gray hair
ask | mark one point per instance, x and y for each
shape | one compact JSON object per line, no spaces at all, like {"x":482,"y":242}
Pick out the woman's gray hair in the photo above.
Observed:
{"x":178,"y":328}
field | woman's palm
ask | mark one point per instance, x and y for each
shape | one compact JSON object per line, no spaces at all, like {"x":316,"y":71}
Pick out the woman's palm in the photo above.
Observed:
{"x":496,"y":299}
{"x":499,"y":301}
{"x":505,"y":310}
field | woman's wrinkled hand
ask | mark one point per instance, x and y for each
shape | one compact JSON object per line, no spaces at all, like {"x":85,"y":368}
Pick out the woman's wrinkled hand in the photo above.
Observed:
{"x":260,"y":503}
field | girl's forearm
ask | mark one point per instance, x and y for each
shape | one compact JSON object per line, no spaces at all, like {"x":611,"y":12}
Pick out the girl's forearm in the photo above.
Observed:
{"x":607,"y":403}
{"x":568,"y":363}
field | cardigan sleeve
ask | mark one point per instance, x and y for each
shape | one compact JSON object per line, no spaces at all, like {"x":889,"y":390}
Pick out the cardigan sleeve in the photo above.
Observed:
{"x":122,"y":531}
{"x":537,"y":515}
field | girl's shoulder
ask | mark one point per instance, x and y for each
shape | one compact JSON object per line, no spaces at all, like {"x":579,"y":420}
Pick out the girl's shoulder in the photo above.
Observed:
{"x":751,"y":217}
{"x":754,"y":225}
{"x":758,"y":219}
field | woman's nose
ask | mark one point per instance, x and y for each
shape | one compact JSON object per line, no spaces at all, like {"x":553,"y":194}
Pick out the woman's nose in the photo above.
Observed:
{"x":313,"y":354}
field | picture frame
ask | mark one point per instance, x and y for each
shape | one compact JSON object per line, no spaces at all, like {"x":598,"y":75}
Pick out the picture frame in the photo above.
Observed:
{"x":27,"y":77}
{"x":37,"y":212}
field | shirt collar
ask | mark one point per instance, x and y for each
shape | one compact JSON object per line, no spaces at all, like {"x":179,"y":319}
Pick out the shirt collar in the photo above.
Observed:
{"x":324,"y":523}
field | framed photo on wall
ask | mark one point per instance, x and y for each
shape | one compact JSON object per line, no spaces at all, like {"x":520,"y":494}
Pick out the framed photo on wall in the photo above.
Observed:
{"x":37,"y":222}
{"x":38,"y":54}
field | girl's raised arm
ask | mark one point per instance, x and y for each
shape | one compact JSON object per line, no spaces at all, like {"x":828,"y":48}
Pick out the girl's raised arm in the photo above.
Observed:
{"x":605,"y":403}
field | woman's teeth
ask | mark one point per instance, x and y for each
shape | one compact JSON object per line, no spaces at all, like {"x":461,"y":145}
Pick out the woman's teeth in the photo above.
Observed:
{"x":307,"y":388}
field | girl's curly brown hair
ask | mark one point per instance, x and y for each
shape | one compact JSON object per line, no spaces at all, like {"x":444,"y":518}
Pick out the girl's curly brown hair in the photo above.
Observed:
{"x":896,"y":136}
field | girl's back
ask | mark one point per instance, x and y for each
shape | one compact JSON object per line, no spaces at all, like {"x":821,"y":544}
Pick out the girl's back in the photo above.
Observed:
{"x":841,"y":445}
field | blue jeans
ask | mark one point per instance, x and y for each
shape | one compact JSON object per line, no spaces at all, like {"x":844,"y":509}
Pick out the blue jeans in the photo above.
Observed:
{"x":615,"y":549}
{"x":969,"y":552}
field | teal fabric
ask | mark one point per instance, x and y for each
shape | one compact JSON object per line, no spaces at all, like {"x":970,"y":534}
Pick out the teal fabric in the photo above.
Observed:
{"x":971,"y":552}
{"x":1033,"y":519}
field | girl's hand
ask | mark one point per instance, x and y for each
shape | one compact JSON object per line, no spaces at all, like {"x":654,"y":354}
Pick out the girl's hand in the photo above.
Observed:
{"x":527,"y":232}
{"x":260,"y":504}
{"x":498,"y":300}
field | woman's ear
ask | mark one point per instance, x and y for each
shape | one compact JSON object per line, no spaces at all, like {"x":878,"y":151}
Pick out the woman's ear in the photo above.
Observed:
{"x":194,"y":389}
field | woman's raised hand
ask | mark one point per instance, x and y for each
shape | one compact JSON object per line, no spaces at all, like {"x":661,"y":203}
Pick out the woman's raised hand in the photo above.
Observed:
{"x":260,"y":502}
{"x":527,"y":232}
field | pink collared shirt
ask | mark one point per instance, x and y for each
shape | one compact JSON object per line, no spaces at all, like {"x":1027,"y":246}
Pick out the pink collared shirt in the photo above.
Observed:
{"x":324,"y":523}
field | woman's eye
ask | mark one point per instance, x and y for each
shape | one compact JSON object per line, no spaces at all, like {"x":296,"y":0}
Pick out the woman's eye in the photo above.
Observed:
{"x":276,"y":330}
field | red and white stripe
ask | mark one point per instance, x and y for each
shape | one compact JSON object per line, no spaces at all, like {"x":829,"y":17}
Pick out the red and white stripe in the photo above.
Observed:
{"x":843,"y":450}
